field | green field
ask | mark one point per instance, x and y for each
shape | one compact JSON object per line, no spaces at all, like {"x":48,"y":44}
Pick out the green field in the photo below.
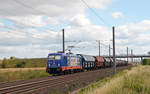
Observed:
{"x":19,"y":69}
{"x":22,"y":75}
{"x":132,"y":81}
{"x":23,"y":63}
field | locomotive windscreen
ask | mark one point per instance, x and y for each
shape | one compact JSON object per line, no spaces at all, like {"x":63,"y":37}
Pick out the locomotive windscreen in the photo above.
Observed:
{"x":54,"y":57}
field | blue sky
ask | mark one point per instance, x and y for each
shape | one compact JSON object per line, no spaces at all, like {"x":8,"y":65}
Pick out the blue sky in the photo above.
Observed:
{"x":34,"y":34}
{"x":133,"y":11}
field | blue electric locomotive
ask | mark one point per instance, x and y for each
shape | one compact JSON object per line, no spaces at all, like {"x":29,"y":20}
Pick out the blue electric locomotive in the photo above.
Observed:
{"x":62,"y":63}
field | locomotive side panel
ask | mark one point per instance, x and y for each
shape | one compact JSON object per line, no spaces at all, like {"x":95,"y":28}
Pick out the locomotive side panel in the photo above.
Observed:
{"x":73,"y":61}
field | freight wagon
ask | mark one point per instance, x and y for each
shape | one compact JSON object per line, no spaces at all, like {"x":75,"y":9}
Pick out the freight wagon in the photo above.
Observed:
{"x":88,"y":62}
{"x":107,"y":62}
{"x":112,"y":63}
{"x":99,"y":62}
{"x":121,"y":63}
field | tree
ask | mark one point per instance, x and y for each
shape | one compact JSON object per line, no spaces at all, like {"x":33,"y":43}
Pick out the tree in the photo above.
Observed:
{"x":12,"y":57}
{"x":148,"y":53}
{"x":4,"y":63}
{"x":20,"y":64}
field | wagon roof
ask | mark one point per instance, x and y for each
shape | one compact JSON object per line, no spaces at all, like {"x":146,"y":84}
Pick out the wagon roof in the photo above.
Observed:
{"x":88,"y":57}
{"x":99,"y":59}
{"x":108,"y":59}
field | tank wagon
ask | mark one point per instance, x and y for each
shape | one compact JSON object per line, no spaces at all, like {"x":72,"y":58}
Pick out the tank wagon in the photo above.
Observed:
{"x":65,"y":63}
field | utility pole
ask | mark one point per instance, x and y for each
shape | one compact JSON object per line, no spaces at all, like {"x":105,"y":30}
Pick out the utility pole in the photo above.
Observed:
{"x":132,"y":55}
{"x":63,"y":40}
{"x":99,"y":45}
{"x":127,"y":54}
{"x":109,"y":51}
{"x":113,"y":30}
{"x":141,"y":60}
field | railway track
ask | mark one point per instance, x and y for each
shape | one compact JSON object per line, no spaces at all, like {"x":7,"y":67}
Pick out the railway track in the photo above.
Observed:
{"x":51,"y":84}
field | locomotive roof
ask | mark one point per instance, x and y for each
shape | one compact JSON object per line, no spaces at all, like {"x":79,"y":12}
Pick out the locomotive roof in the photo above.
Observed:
{"x":56,"y":54}
{"x":64,"y":54}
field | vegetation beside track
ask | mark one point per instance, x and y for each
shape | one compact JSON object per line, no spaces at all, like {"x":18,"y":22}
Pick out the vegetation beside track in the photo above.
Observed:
{"x":23,"y":63}
{"x":146,"y":61}
{"x":7,"y":76}
{"x":20,"y":69}
{"x":131,"y":81}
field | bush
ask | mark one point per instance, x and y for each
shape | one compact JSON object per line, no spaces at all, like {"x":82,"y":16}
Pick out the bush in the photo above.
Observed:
{"x":21,"y":64}
{"x":146,"y":62}
{"x":12,"y":57}
{"x":4,"y":63}
{"x":29,"y":63}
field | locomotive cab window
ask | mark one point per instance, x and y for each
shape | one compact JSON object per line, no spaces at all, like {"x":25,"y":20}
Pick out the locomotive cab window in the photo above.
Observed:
{"x":54,"y":57}
{"x":57,"y":57}
{"x":51,"y":57}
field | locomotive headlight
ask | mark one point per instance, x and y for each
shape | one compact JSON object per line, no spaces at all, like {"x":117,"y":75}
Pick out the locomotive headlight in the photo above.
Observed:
{"x":49,"y":65}
{"x":58,"y":64}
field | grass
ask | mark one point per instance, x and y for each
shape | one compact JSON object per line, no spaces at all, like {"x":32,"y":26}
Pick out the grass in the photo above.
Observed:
{"x":21,"y":75}
{"x":23,"y":63}
{"x":132,"y":81}
{"x":20,"y":69}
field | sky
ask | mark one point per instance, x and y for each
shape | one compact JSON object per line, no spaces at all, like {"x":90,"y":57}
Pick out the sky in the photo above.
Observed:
{"x":32,"y":28}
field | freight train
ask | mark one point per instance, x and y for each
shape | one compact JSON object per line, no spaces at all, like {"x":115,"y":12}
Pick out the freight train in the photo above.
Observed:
{"x":66,"y":63}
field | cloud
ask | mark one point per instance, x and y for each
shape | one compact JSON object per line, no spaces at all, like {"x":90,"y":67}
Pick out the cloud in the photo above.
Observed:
{"x":1,"y":24}
{"x":29,"y":42}
{"x":117,"y":15}
{"x":28,"y":21}
{"x":102,"y":4}
{"x":22,"y":10}
{"x":32,"y":41}
{"x":134,"y":35}
{"x":50,"y":8}
{"x":93,"y":32}
{"x":35,"y":43}
{"x":38,"y":13}
{"x":80,"y":20}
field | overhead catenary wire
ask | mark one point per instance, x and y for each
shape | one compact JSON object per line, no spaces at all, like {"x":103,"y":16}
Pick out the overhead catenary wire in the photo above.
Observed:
{"x":30,"y":7}
{"x":42,"y":12}
{"x":17,"y":26}
{"x":98,"y":16}
{"x":105,"y":49}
